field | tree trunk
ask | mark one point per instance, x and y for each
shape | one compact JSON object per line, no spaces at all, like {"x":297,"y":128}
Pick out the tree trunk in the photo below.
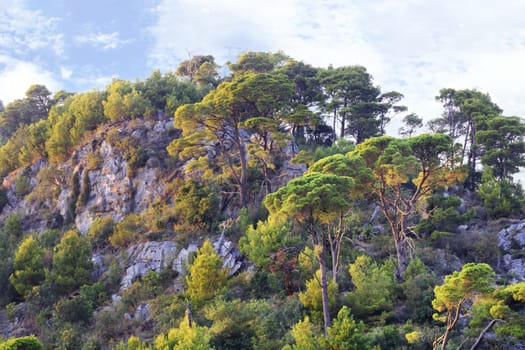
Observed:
{"x":483,"y":332}
{"x":324,"y":292}
{"x":244,"y":169}
{"x":401,"y":257}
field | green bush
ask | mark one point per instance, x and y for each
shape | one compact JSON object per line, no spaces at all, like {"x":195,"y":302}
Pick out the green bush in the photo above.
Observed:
{"x":22,"y":185}
{"x":13,"y":227}
{"x":127,"y":231}
{"x":196,"y":204}
{"x":100,"y":231}
{"x":501,"y":198}
{"x":24,"y":343}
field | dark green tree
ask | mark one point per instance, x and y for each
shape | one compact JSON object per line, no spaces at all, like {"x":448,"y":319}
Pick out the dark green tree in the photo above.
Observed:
{"x":389,"y":108}
{"x":353,"y":102}
{"x":466,"y":113}
{"x":314,"y":202}
{"x":72,"y":264}
{"x":346,"y":333}
{"x":34,"y":107}
{"x":216,"y":123}
{"x":412,"y":123}
{"x":201,"y":70}
{"x":502,"y":145}
{"x":167,"y":92}
{"x":258,"y":62}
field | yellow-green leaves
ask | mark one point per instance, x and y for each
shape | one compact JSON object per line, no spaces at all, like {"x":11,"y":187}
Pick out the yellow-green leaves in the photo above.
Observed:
{"x":206,"y":277}
{"x":28,"y":266}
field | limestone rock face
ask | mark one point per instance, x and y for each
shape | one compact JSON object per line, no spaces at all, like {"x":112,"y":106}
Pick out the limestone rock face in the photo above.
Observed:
{"x":229,"y":252}
{"x":148,"y":256}
{"x":511,"y":241}
{"x":98,"y":179}
{"x":157,"y":256}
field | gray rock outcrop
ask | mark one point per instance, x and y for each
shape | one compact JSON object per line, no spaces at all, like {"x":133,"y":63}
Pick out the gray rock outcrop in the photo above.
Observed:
{"x":145,"y":257}
{"x":511,"y":241}
{"x":157,"y":256}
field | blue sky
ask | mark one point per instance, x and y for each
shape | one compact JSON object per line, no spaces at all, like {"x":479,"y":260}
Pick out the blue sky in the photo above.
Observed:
{"x":415,"y":47}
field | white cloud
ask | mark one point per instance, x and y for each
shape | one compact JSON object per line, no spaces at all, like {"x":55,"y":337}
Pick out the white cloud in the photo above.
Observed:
{"x":415,"y":47}
{"x":106,"y":41}
{"x":17,"y":76}
{"x":23,"y":31}
{"x":66,"y":72}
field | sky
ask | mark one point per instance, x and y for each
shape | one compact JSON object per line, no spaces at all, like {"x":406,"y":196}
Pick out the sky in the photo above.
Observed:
{"x":415,"y":47}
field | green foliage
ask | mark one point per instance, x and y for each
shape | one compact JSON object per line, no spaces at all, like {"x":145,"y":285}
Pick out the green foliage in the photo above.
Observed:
{"x":34,"y":107}
{"x":505,"y":304}
{"x":196,"y":204}
{"x":127,"y":231}
{"x":239,"y":325}
{"x":306,"y":337}
{"x":8,"y":292}
{"x":374,"y":288}
{"x":24,"y":343}
{"x":76,"y":310}
{"x":445,"y":216}
{"x":257,"y":62}
{"x":201,"y":70}
{"x":72,"y":264}
{"x":70,"y":121}
{"x":167,"y":93}
{"x":262,"y":241}
{"x":340,"y":146}
{"x":125,"y":102}
{"x":472,"y":282}
{"x":22,"y":185}
{"x":418,"y":290}
{"x":49,"y":238}
{"x":206,"y":277}
{"x":412,"y":122}
{"x":219,"y":118}
{"x":345,"y":333}
{"x":406,"y":171}
{"x":185,"y":337}
{"x":386,"y":338}
{"x":13,"y":227}
{"x":312,"y":296}
{"x":101,"y":230}
{"x":353,"y":101}
{"x":503,"y":145}
{"x":501,"y":198}
{"x":28,"y":266}
{"x":311,"y":198}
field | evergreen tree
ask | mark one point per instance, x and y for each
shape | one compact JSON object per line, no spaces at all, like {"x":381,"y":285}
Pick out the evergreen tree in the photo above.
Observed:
{"x":28,"y":266}
{"x":72,"y":264}
{"x":206,"y":277}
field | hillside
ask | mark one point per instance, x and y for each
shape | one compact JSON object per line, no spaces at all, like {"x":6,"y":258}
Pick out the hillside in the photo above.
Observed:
{"x":262,"y":210}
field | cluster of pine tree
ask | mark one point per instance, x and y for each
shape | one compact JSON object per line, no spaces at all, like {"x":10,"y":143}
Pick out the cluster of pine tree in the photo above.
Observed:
{"x":346,"y":256}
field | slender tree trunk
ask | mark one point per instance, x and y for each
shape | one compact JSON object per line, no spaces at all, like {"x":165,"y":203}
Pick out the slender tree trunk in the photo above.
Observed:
{"x":244,"y":168}
{"x":335,"y":124}
{"x":343,"y":126}
{"x":483,"y":332}
{"x":401,"y":256}
{"x":324,"y":291}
